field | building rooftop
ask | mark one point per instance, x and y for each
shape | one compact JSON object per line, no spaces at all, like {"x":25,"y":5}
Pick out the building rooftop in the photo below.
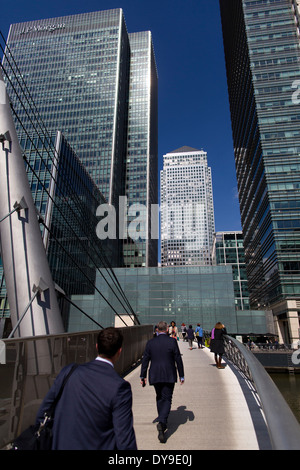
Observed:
{"x":185,"y":149}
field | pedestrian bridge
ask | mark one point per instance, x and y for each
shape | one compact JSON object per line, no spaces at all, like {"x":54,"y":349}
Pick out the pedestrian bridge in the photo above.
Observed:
{"x":235,"y":408}
{"x":213,"y":409}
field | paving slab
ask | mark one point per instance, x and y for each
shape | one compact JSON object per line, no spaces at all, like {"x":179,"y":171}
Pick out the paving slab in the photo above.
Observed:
{"x":214,"y":409}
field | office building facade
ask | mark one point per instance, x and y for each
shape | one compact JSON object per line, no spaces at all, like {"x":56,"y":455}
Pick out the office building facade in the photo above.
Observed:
{"x":228,"y":249}
{"x":73,"y":248}
{"x":98,"y":84}
{"x":141,"y":154}
{"x":262,"y":54}
{"x":187,"y":212}
{"x":189,"y":294}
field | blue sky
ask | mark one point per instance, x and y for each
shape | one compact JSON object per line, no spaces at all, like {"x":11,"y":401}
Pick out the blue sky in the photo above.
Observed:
{"x":193,"y":98}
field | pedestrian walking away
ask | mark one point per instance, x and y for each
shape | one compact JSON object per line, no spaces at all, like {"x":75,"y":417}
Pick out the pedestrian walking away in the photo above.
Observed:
{"x":190,"y":336}
{"x":199,"y":335}
{"x":163,"y":355}
{"x":183,"y":331}
{"x":95,"y":409}
{"x":217,"y":343}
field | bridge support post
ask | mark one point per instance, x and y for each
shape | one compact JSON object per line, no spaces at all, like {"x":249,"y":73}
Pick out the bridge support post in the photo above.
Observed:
{"x":22,"y":250}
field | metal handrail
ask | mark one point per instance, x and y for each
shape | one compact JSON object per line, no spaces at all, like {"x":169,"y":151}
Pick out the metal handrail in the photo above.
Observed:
{"x":283,"y":427}
{"x":29,"y":367}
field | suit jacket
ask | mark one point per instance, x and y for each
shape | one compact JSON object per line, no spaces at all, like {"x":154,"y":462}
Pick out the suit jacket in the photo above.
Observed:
{"x":94,"y":411}
{"x":164,"y":355}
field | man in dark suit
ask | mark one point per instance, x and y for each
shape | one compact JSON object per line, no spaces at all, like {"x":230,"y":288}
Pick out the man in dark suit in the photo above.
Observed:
{"x":95,"y":409}
{"x":164,"y":355}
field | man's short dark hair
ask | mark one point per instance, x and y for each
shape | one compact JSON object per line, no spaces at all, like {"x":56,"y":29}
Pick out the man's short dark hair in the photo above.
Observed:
{"x":109,"y":341}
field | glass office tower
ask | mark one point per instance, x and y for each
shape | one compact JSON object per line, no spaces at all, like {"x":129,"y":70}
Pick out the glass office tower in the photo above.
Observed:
{"x":84,"y":76}
{"x":229,"y":250}
{"x":141,"y":156}
{"x":261,"y":43}
{"x":187,"y":212}
{"x":73,"y":248}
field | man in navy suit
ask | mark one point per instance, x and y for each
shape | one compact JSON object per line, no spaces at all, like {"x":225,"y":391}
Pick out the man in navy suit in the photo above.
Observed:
{"x":164,"y":355}
{"x":95,"y":409}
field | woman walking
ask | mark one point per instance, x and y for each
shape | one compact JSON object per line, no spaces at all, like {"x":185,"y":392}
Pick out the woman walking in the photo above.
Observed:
{"x":217,"y":343}
{"x":173,"y":330}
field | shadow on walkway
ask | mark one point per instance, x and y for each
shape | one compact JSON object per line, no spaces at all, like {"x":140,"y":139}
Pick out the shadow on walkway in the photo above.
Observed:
{"x":177,"y":418}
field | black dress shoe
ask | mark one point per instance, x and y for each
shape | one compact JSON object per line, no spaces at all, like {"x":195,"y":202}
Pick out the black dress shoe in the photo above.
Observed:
{"x":161,"y":427}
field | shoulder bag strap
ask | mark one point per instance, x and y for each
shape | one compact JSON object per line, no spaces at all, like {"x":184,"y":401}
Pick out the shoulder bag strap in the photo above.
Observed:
{"x":61,"y":388}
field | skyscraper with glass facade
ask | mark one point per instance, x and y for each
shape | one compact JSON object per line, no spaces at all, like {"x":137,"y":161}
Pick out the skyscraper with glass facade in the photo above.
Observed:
{"x":141,"y":155}
{"x":228,"y":249}
{"x":187,"y":213}
{"x":98,"y":84}
{"x":261,"y":43}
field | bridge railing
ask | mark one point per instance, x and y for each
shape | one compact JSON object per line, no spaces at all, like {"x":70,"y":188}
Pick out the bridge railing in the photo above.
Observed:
{"x":31,"y":365}
{"x":283,"y":427}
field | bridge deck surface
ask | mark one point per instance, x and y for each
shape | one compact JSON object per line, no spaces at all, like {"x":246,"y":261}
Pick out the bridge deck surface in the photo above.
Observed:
{"x":215,"y":409}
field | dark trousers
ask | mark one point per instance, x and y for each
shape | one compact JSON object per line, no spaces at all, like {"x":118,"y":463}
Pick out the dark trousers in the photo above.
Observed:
{"x":164,"y":393}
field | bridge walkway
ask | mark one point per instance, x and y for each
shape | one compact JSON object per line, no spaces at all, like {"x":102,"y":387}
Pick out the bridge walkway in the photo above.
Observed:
{"x":213,"y":409}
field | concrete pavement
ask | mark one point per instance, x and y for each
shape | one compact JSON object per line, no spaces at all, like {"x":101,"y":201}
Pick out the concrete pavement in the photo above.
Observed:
{"x":213,"y":409}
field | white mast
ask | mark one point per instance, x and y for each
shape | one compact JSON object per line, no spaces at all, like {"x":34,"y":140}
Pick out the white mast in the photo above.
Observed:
{"x":30,"y":288}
